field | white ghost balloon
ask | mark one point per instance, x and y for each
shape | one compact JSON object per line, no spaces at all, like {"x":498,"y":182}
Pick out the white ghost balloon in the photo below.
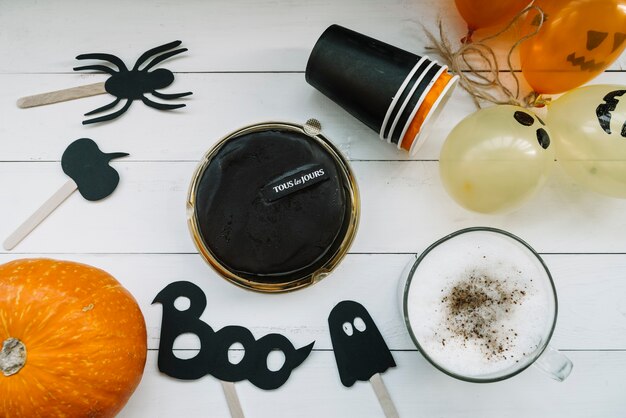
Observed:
{"x":589,"y":130}
{"x":496,"y":158}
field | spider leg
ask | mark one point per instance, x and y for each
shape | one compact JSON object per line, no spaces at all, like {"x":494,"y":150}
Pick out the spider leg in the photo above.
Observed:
{"x":97,"y":68}
{"x":170,"y":96}
{"x":163,"y":57}
{"x":144,"y":57}
{"x":161,"y":106}
{"x":105,"y":107}
{"x":109,"y":116}
{"x":104,"y":57}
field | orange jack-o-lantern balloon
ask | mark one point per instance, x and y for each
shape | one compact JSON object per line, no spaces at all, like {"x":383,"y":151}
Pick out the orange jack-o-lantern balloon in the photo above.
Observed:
{"x":577,"y":41}
{"x":486,"y":13}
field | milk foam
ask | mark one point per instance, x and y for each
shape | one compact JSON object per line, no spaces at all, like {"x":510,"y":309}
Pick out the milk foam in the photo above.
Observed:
{"x":488,"y":336}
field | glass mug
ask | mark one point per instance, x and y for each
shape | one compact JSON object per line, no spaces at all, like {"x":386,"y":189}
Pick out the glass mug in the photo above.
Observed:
{"x":481,"y":306}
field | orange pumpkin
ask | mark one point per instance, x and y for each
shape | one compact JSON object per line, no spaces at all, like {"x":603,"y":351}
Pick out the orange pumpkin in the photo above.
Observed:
{"x":73,"y":341}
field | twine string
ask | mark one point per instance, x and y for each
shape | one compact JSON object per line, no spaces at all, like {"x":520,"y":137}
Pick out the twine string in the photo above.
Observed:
{"x":482,"y":79}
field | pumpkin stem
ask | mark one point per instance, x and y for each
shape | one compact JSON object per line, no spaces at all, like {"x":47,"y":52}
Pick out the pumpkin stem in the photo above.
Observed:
{"x":12,"y":356}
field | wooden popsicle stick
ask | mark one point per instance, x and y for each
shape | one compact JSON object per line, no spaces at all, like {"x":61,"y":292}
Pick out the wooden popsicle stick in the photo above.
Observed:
{"x":61,"y":95}
{"x":40,"y":214}
{"x":383,"y":396}
{"x":232,"y":399}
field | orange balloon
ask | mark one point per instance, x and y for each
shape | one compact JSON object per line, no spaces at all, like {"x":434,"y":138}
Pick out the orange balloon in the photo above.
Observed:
{"x":577,"y":41}
{"x":486,"y":13}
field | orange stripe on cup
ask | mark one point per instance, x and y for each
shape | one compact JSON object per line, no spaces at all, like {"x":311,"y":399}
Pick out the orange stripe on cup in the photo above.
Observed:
{"x":432,"y":96}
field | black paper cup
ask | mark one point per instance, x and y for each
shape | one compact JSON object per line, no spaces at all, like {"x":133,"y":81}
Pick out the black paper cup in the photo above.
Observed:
{"x":405,"y":91}
{"x":406,"y":110}
{"x":381,"y":85}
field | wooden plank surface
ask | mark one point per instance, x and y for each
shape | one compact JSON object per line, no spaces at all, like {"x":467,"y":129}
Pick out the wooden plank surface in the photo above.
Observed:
{"x":373,"y":280}
{"x":221,"y":103}
{"x":404,"y":209}
{"x":419,"y":390}
{"x":245,"y":64}
{"x":266,"y":35}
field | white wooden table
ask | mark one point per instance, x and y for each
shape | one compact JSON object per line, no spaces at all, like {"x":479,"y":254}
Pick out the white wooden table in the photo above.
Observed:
{"x":245,"y":64}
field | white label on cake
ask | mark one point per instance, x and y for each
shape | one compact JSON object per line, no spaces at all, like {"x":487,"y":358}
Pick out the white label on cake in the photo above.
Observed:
{"x":293,"y":181}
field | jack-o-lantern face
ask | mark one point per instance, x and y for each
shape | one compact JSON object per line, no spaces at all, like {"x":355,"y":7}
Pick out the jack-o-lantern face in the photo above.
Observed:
{"x":595,"y":40}
{"x":605,"y":110}
{"x":577,"y":40}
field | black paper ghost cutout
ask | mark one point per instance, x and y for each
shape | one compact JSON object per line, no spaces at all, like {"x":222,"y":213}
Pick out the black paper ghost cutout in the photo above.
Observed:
{"x":132,"y":85}
{"x":213,"y":356}
{"x":89,"y":168}
{"x":360,"y":353}
{"x":603,"y":111}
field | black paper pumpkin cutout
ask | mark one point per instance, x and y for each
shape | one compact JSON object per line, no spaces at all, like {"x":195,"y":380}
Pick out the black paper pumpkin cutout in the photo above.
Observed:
{"x":360,"y":350}
{"x":526,"y":119}
{"x":133,"y":84}
{"x":89,"y":168}
{"x":213,"y":356}
{"x":603,"y":111}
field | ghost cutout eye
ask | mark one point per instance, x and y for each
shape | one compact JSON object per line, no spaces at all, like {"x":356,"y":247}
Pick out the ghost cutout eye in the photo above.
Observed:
{"x":347,"y":328}
{"x":359,"y":324}
{"x":523,"y":118}
{"x":618,"y":40}
{"x":543,"y":138}
{"x":594,"y":39}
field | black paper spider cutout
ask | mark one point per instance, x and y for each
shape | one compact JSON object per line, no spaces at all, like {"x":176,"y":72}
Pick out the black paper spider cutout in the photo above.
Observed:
{"x":133,"y":84}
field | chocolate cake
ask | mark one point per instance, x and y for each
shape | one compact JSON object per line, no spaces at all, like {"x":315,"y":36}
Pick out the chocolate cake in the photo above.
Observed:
{"x":273,"y":206}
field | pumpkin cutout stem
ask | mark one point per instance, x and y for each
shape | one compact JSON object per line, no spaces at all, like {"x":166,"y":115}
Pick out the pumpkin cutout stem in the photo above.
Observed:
{"x":12,"y":356}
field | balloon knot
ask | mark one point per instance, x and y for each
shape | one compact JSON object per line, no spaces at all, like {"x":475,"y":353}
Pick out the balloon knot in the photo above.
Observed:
{"x":467,"y":39}
{"x":534,"y":99}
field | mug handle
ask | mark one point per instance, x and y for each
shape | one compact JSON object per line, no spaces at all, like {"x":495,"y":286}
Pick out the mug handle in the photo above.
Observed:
{"x":554,"y":364}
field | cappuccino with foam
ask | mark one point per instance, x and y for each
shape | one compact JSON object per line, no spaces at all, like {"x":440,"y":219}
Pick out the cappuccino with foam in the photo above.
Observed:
{"x":480,"y":305}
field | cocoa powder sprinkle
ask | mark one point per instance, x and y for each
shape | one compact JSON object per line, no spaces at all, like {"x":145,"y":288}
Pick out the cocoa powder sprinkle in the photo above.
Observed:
{"x":476,"y":306}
